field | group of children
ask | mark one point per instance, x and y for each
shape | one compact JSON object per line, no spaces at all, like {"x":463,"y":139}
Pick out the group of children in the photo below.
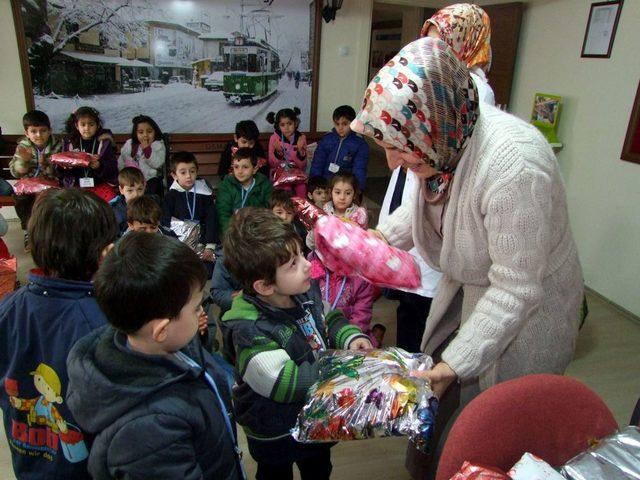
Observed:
{"x":104,"y":373}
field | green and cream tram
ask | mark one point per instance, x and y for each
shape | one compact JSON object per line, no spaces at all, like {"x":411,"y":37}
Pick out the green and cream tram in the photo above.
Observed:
{"x":251,"y":71}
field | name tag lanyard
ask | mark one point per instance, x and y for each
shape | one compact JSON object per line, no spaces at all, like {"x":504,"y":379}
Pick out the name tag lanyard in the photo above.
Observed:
{"x":192,"y":210}
{"x":340,"y":291}
{"x":93,"y":147}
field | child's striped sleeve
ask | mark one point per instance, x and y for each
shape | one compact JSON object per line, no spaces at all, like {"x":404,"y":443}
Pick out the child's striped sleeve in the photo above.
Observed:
{"x":269,"y":370}
{"x":341,"y":332}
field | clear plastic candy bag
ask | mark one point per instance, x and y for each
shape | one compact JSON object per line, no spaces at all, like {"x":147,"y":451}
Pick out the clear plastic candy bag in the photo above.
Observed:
{"x":368,"y":394}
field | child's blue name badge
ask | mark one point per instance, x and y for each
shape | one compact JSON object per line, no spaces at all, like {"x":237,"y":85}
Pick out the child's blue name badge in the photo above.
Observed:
{"x":86,"y":182}
{"x":334,"y":167}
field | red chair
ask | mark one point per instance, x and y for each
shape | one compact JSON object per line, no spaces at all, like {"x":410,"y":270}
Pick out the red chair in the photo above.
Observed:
{"x":551,"y":416}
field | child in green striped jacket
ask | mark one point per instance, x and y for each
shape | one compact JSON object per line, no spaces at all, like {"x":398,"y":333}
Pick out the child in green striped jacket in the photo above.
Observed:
{"x":273,"y":332}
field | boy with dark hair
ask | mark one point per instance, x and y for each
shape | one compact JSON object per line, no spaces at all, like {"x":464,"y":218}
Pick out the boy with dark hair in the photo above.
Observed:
{"x":156,"y":402}
{"x":246,"y":136}
{"x":318,"y":191}
{"x":143,"y":215}
{"x":131,"y":184}
{"x":275,"y":328}
{"x":342,"y":150}
{"x":245,"y":187}
{"x":70,"y":231}
{"x":190,"y":198}
{"x":282,"y":206}
{"x":32,"y":159}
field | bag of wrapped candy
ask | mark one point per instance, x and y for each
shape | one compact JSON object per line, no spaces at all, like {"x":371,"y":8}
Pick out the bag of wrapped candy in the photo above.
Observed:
{"x":347,"y":249}
{"x":286,"y":176}
{"x":368,"y":394}
{"x":72,"y":159}
{"x":34,"y":185}
{"x":188,"y":232}
{"x":307,"y":212}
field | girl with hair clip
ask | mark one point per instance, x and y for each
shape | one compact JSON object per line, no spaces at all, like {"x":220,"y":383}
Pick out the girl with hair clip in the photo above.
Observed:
{"x":85,"y":134}
{"x":145,"y":150}
{"x":287,"y":146}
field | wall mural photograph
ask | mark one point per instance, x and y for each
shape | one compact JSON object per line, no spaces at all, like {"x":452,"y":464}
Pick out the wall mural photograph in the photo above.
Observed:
{"x":197,"y":66}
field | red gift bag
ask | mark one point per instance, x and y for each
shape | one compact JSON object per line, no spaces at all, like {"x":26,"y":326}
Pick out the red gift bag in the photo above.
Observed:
{"x":34,"y":185}
{"x":347,"y":249}
{"x":72,"y":159}
{"x":285,"y":176}
{"x":307,"y":212}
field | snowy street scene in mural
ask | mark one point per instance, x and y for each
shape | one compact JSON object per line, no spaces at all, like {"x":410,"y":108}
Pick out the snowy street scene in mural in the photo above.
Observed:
{"x":195,"y":66}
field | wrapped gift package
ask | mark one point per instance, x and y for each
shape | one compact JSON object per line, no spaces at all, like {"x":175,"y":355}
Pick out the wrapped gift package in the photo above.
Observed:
{"x":72,"y":159}
{"x":307,"y":212}
{"x":188,"y":232}
{"x":614,"y":457}
{"x":347,"y":249}
{"x":286,"y":176}
{"x":530,"y":467}
{"x":34,"y":185}
{"x":473,"y":471}
{"x":367,"y":394}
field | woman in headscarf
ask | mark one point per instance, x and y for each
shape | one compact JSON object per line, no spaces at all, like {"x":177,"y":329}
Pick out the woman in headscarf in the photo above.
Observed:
{"x":467,"y":30}
{"x":490,"y":213}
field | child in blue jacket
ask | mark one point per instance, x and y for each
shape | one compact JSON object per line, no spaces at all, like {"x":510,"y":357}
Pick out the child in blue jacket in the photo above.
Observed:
{"x":70,"y":230}
{"x":341,"y":150}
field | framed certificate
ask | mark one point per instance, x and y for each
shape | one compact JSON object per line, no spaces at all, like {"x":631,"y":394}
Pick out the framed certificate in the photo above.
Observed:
{"x":601,"y":29}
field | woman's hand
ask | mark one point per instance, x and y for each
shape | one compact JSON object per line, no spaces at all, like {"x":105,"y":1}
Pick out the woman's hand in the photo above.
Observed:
{"x":94,"y":164}
{"x":439,"y":377}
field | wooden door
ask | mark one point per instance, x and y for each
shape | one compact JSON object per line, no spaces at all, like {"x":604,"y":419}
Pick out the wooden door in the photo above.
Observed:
{"x":505,"y":32}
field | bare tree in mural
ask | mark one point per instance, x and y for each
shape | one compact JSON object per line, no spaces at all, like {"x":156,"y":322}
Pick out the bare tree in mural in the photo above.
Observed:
{"x":53,"y":24}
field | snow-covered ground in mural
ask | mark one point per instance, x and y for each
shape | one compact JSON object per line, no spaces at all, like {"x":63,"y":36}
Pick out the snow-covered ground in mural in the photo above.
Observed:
{"x":181,"y":108}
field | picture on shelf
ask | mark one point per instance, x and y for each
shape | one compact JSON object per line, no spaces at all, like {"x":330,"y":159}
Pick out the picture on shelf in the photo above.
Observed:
{"x":197,"y":66}
{"x":545,"y":116}
{"x":545,"y":109}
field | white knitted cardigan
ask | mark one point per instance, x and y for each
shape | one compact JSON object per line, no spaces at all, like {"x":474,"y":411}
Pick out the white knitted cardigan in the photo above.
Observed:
{"x":507,"y":247}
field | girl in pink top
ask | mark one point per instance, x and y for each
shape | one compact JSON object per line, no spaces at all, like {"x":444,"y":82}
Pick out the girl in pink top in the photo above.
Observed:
{"x":287,"y":146}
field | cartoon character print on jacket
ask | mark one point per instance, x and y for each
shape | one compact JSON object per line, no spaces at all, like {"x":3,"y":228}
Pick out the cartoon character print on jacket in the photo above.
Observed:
{"x":44,"y":431}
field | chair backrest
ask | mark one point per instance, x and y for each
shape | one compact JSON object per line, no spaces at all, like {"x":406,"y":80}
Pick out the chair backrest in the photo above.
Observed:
{"x":551,"y":416}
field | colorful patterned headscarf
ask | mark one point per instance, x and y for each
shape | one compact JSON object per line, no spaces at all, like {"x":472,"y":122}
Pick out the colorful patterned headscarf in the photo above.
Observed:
{"x":422,"y":102}
{"x":465,"y":28}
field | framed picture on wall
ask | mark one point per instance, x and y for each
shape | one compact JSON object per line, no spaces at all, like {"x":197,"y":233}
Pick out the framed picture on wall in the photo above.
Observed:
{"x":195,"y":67}
{"x":601,"y":29}
{"x":631,"y":147}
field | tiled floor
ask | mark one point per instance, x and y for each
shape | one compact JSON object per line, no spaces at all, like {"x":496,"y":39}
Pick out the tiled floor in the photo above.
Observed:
{"x":607,"y":359}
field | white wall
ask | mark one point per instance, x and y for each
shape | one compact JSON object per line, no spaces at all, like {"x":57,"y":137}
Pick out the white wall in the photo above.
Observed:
{"x":343,"y":79}
{"x":603,"y":191}
{"x":12,"y":100}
